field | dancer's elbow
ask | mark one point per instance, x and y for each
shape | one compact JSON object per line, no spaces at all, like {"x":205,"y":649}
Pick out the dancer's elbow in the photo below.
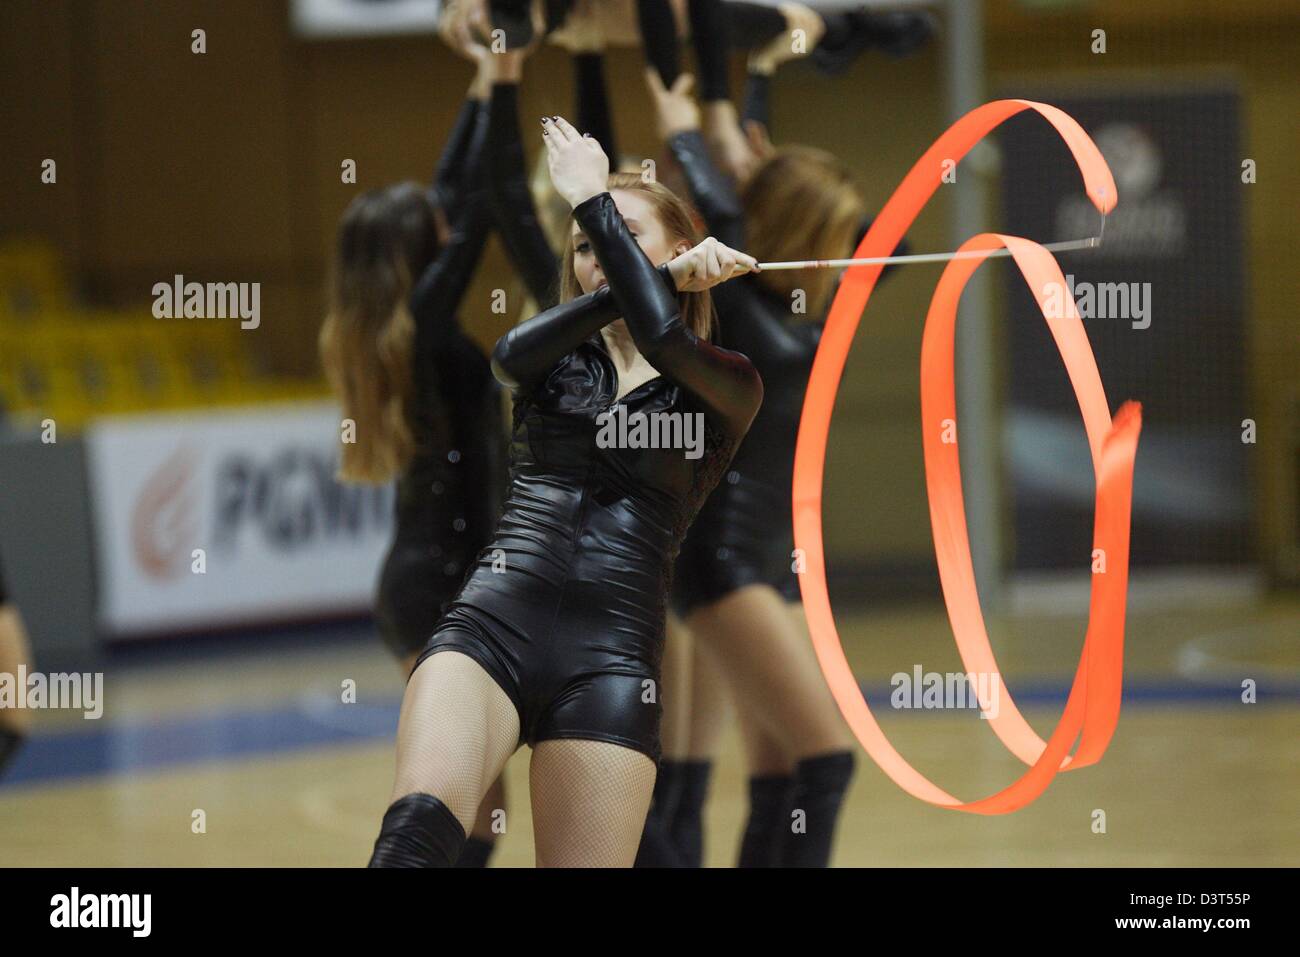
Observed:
{"x":502,"y":363}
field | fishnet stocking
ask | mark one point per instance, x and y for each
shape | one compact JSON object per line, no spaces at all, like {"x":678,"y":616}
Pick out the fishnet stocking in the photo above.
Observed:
{"x":590,"y":800}
{"x":456,"y":732}
{"x":493,"y":801}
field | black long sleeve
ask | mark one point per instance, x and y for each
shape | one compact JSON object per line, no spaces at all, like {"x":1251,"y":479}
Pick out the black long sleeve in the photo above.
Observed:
{"x":659,"y":38}
{"x":594,"y":115}
{"x":751,"y":25}
{"x":510,"y":199}
{"x":750,"y":325}
{"x":525,"y":354}
{"x":709,"y":28}
{"x":449,"y":175}
{"x":723,"y":381}
{"x":758,"y":98}
{"x":711,"y":191}
{"x":709,"y":40}
{"x":437,"y":293}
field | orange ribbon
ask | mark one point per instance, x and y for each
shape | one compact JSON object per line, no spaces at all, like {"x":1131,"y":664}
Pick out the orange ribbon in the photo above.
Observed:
{"x":1092,"y":708}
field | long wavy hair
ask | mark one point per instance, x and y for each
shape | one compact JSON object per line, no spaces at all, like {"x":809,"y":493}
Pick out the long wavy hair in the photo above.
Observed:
{"x":696,"y":307}
{"x":386,"y":238}
{"x":801,"y":203}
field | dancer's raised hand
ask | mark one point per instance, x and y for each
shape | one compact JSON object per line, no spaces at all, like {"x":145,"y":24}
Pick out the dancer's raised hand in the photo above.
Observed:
{"x":579,"y":167}
{"x":804,"y":30}
{"x":675,"y":109}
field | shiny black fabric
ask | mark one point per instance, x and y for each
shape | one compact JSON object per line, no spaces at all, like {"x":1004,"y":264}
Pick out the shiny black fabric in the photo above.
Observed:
{"x":447,"y":499}
{"x":744,"y":534}
{"x":710,"y":24}
{"x":566,"y":607}
{"x":449,"y":495}
{"x":418,"y":831}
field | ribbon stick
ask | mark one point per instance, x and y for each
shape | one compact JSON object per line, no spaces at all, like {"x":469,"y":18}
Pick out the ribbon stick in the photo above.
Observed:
{"x":1089,"y":243}
{"x":1092,"y":708}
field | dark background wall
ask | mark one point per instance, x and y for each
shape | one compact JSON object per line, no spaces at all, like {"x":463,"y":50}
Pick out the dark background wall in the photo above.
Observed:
{"x":225,"y":166}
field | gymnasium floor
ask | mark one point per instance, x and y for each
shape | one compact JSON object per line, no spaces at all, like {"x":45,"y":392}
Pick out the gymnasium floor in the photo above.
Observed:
{"x":286,"y":774}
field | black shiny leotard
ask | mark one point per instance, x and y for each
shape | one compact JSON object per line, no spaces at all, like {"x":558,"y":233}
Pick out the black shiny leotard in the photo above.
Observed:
{"x":744,"y":534}
{"x":566,"y":607}
{"x":449,"y":497}
{"x":449,"y":494}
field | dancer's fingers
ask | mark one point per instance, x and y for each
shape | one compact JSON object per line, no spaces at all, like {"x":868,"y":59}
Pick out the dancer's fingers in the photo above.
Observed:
{"x":656,"y":85}
{"x":713,"y":266}
{"x":735,"y":263}
{"x":726,"y":260}
{"x":565,"y":128}
{"x":743,"y":267}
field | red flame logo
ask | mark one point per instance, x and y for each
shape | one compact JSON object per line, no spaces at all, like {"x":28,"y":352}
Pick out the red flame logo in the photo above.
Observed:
{"x":163,"y":527}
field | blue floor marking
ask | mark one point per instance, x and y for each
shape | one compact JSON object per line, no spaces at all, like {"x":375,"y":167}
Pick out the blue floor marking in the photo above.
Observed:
{"x":104,"y":748}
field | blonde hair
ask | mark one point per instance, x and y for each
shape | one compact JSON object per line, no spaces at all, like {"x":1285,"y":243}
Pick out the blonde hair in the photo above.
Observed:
{"x":801,"y":203}
{"x":368,"y":337}
{"x":675,"y":215}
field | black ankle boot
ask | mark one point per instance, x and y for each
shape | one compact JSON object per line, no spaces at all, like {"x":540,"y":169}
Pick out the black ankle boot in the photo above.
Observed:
{"x":418,"y":831}
{"x":10,"y":742}
{"x":657,"y":849}
{"x":687,"y":828}
{"x":820,"y":783}
{"x":771,"y":796}
{"x":476,"y":852}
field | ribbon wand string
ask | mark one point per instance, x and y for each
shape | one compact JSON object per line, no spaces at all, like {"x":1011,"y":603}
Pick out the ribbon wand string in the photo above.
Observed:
{"x":1089,"y":243}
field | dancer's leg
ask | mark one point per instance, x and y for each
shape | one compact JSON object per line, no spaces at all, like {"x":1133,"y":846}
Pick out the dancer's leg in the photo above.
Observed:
{"x":710,"y":708}
{"x":15,"y":723}
{"x":771,"y":793}
{"x":772,"y":668}
{"x":656,"y":849}
{"x":590,"y":800}
{"x":482,"y":838}
{"x":456,"y":732}
{"x":773,"y":673}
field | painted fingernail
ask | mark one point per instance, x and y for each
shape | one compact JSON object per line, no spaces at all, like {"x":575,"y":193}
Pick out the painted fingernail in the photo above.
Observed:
{"x":556,"y":118}
{"x":545,"y":120}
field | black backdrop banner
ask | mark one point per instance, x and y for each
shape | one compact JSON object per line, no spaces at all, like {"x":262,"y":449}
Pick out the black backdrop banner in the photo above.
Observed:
{"x":1163,"y":303}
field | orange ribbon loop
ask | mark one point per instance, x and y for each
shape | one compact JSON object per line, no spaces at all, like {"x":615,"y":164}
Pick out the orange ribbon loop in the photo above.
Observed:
{"x":1092,"y":709}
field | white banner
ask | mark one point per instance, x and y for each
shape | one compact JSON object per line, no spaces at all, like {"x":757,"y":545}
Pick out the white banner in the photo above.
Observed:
{"x":233,"y":517}
{"x":337,"y":18}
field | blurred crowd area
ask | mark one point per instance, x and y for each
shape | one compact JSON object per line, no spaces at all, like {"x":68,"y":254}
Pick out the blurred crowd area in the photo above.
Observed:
{"x":64,"y":360}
